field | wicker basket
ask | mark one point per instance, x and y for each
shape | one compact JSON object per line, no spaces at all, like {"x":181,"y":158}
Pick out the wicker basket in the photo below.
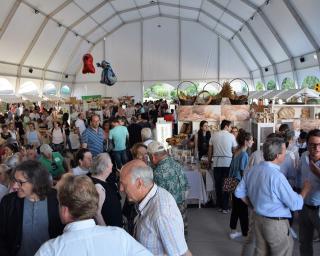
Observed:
{"x":240,"y":100}
{"x":215,"y":100}
{"x":186,"y":99}
{"x":203,"y":98}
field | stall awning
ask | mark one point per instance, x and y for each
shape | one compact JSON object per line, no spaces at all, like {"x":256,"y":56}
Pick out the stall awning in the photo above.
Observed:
{"x":305,"y":92}
{"x":257,"y":94}
{"x":273,"y":94}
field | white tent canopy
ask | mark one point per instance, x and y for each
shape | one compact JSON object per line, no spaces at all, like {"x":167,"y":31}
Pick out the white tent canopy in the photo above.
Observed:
{"x":43,"y":41}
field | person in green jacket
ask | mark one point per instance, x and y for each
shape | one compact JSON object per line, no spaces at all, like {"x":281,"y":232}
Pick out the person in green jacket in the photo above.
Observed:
{"x":52,"y":161}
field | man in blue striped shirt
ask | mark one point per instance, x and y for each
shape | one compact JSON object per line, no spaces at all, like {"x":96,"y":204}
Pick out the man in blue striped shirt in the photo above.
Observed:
{"x":269,"y":192}
{"x":92,"y":137}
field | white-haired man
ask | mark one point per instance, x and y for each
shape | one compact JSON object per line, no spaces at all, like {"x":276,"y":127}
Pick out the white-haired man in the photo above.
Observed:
{"x":146,"y":136}
{"x":159,"y":226}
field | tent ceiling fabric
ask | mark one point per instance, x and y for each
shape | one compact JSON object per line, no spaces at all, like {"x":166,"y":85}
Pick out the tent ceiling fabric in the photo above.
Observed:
{"x":52,"y":35}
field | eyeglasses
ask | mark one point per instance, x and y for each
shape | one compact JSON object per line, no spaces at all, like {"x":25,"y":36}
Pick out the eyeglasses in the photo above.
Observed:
{"x":314,"y":145}
{"x":20,"y":182}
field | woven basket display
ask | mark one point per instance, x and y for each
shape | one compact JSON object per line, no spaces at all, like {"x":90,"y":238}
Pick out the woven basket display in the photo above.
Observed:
{"x":183,"y":96}
{"x":239,"y":99}
{"x":203,"y":98}
{"x":215,"y":99}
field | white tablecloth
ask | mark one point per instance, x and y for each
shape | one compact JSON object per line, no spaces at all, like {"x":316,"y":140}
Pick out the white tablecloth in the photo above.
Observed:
{"x":200,"y":184}
{"x":197,"y":189}
{"x":209,"y":182}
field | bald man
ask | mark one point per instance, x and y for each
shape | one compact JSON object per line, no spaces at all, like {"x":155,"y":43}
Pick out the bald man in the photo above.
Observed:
{"x":159,"y":226}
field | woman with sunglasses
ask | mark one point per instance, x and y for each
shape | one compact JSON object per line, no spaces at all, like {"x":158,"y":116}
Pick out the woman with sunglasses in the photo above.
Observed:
{"x":30,"y":216}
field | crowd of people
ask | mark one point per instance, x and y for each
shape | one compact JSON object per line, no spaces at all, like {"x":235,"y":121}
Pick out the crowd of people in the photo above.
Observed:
{"x":119,"y":190}
{"x":104,"y":195}
{"x":268,"y":188}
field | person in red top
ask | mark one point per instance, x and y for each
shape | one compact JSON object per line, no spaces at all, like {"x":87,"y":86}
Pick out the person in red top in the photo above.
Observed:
{"x":169,"y":117}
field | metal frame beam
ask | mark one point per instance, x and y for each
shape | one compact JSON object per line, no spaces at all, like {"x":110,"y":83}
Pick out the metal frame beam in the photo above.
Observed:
{"x":180,"y":49}
{"x":301,"y":24}
{"x":239,"y":55}
{"x":77,"y":22}
{"x":165,"y":16}
{"x":270,"y":26}
{"x":169,"y":5}
{"x":162,"y":15}
{"x":141,"y":56}
{"x":25,"y":66}
{"x":255,"y":36}
{"x":244,"y":22}
{"x":276,"y":35}
{"x":265,"y":51}
{"x":303,"y":27}
{"x":253,"y":57}
{"x":176,"y":18}
{"x":9,"y":17}
{"x":28,"y":77}
{"x":138,"y":10}
{"x":199,"y":12}
{"x":218,"y":58}
{"x":35,"y":39}
{"x":167,"y":80}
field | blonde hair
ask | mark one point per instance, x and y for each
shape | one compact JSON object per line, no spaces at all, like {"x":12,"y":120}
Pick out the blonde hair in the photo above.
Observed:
{"x":79,"y":194}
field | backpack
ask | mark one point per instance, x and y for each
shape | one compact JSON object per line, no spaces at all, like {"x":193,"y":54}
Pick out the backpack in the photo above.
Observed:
{"x":108,"y":77}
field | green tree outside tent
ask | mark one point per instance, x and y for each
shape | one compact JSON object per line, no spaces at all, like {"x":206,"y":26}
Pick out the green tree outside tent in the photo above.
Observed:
{"x":288,"y":83}
{"x":271,"y":85}
{"x":259,"y":86}
{"x":190,"y":89}
{"x":310,"y":82}
{"x":147,"y":93}
{"x":173,"y":94}
{"x":160,"y":90}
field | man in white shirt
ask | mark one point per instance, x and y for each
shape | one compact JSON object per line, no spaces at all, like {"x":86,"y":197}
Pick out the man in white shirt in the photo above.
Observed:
{"x":159,"y":226}
{"x":78,"y":203}
{"x":80,"y":123}
{"x":221,"y":146}
{"x":84,"y":160}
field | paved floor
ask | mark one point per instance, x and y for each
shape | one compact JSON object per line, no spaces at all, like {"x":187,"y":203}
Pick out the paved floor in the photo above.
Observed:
{"x":208,"y":234}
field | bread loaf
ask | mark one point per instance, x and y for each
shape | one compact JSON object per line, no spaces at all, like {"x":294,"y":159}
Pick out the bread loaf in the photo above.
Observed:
{"x":286,"y":113}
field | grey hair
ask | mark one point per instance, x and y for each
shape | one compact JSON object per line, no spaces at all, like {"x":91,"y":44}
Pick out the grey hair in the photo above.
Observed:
{"x":146,"y":134}
{"x":272,"y":148}
{"x":143,"y":173}
{"x":100,"y":163}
